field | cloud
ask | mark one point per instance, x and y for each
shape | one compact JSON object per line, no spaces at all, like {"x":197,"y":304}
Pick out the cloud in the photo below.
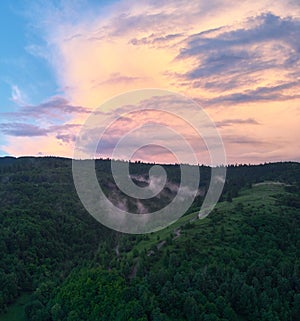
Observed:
{"x":59,"y":104}
{"x":125,"y":23}
{"x":24,"y":130}
{"x":246,"y":140}
{"x":117,"y":78}
{"x":66,"y":138}
{"x":161,"y":127}
{"x":51,"y":119}
{"x":56,"y":107}
{"x":37,"y":51}
{"x":230,"y":122}
{"x":244,"y":67}
{"x":272,"y":93}
{"x":235,"y":57}
{"x":257,"y":30}
{"x":17,"y":96}
{"x":30,"y":130}
{"x":156,"y":40}
{"x":137,"y":44}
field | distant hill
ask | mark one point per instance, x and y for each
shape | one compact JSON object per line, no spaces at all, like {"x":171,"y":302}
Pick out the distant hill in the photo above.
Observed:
{"x":240,"y":263}
{"x":7,"y":160}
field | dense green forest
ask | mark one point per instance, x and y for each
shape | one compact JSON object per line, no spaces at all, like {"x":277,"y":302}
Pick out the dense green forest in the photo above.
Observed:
{"x":240,"y":263}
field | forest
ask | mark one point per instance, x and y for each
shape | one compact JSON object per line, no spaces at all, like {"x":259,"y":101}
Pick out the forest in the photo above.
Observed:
{"x":241,"y":263}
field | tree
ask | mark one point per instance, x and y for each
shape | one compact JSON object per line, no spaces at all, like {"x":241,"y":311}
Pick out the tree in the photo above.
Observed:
{"x":191,"y":309}
{"x":229,"y":197}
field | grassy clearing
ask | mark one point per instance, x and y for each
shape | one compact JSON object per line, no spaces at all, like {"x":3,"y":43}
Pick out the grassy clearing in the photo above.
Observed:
{"x":257,"y":198}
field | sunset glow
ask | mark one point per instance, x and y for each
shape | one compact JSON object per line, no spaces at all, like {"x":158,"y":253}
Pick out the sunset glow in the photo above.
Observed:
{"x":240,"y":61}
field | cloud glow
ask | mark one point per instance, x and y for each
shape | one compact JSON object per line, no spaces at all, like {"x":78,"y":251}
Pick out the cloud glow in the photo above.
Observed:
{"x":240,"y":61}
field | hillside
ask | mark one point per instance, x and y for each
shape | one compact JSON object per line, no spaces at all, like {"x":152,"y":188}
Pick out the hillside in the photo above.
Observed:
{"x":240,"y":263}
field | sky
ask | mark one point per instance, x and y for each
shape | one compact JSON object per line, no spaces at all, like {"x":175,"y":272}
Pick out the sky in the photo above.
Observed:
{"x":239,"y":61}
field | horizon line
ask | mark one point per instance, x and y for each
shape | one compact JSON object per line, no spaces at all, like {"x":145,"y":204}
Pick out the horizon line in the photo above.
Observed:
{"x":148,"y":163}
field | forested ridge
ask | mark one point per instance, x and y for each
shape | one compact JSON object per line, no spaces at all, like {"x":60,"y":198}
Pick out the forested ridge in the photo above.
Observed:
{"x":242,"y":262}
